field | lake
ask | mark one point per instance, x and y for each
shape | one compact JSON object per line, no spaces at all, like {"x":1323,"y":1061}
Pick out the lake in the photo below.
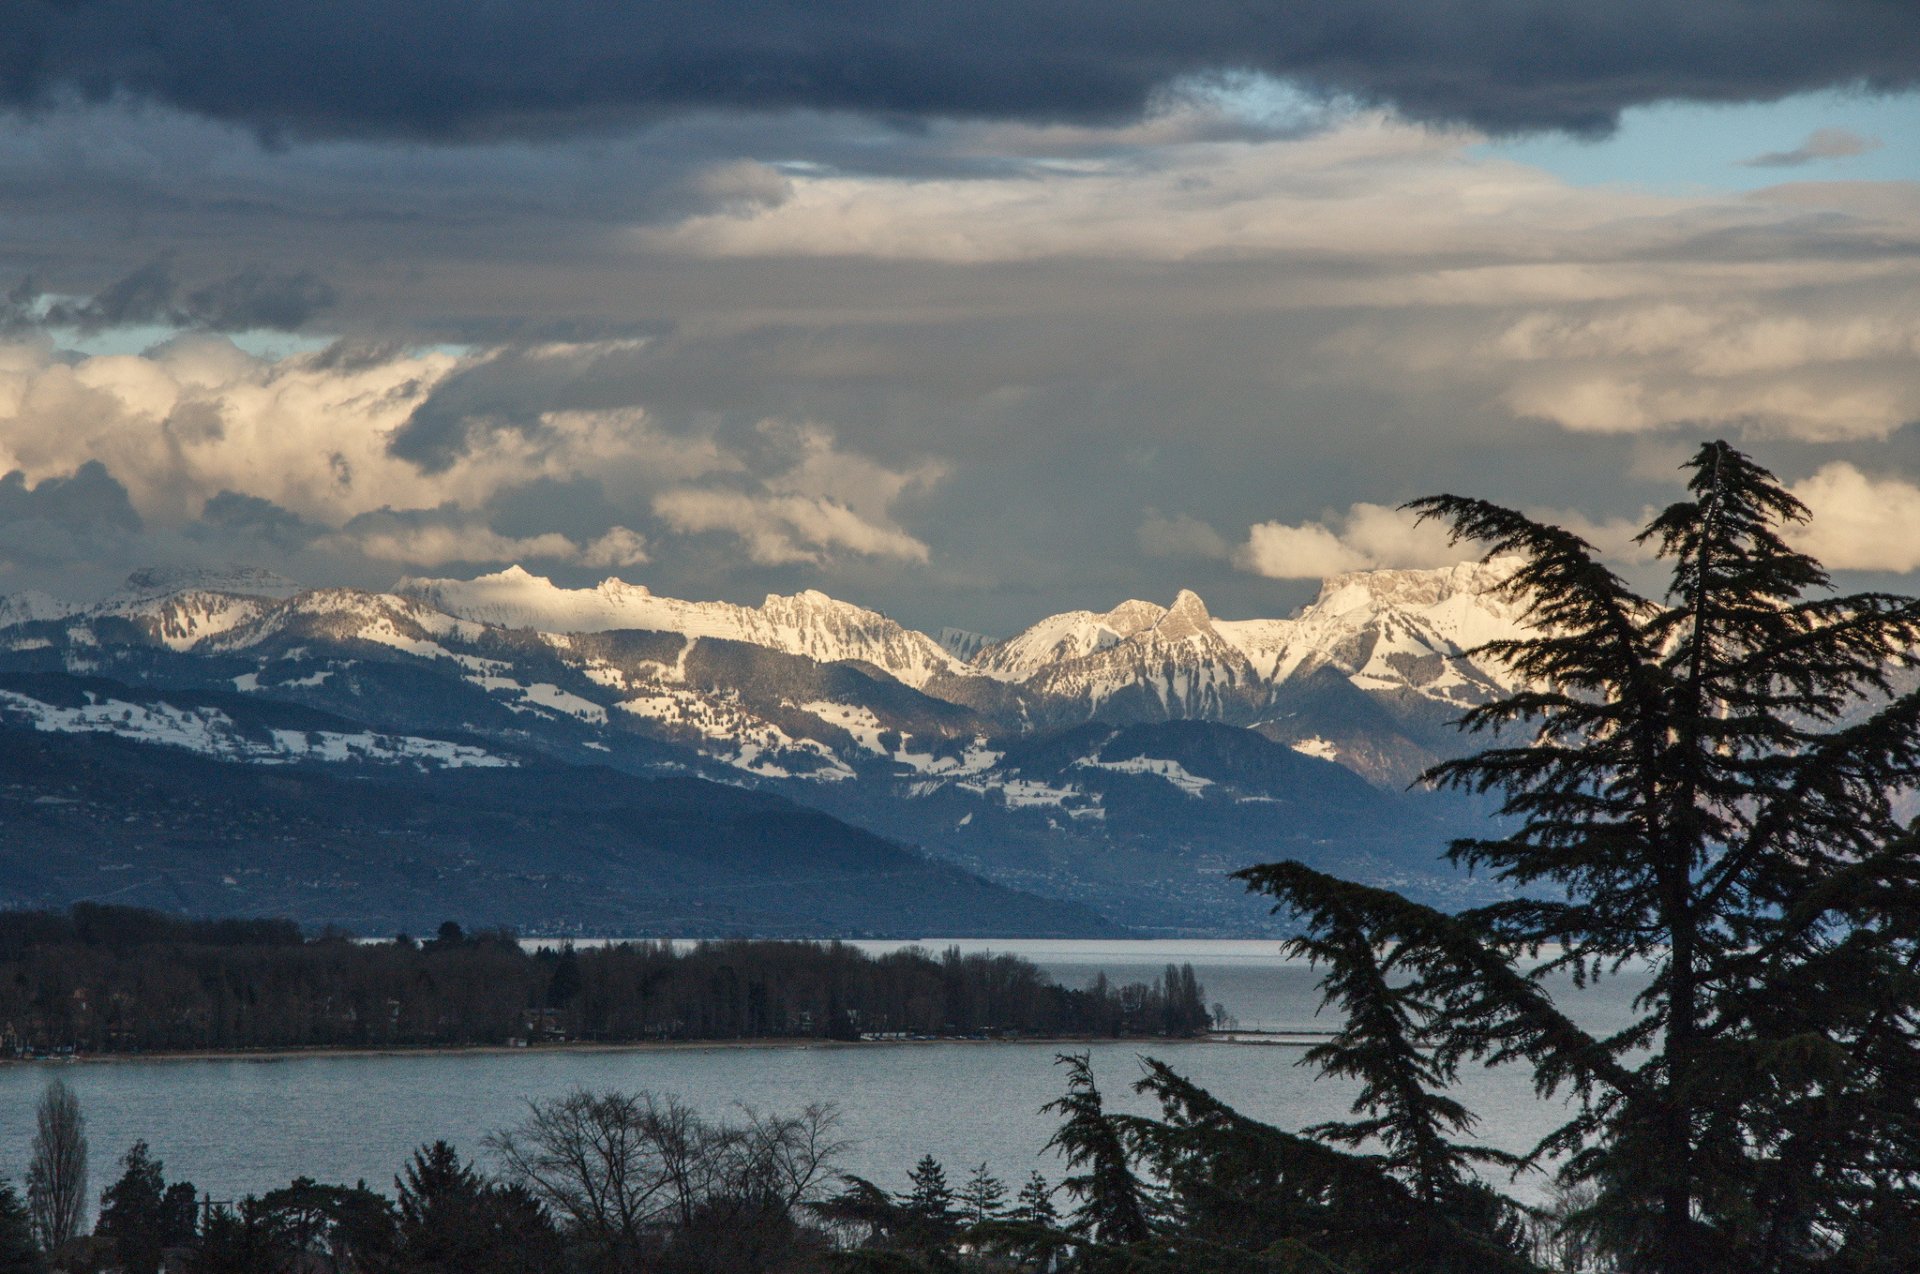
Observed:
{"x":234,"y":1126}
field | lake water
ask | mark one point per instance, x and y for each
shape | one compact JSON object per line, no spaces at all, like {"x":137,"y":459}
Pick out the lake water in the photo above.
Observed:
{"x":236,"y":1126}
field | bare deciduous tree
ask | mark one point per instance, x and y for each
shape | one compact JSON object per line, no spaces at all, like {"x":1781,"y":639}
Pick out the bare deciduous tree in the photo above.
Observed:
{"x":57,"y":1175}
{"x":627,"y":1168}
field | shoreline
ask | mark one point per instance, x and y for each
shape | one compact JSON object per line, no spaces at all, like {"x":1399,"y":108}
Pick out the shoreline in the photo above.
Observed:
{"x":599,"y":1046}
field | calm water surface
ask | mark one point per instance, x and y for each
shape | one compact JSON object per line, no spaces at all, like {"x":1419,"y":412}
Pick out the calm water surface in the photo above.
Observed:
{"x":235,"y":1126}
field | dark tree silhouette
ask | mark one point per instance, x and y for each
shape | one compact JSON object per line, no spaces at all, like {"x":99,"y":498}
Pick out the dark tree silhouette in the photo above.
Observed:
{"x":1034,"y":1203}
{"x":57,"y":1171}
{"x":1113,"y":1205}
{"x":1704,"y":784}
{"x":19,"y":1252}
{"x":135,"y":1215}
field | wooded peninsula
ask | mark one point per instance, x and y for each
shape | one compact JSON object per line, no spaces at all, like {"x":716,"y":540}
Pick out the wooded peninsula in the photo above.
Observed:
{"x":102,"y":979}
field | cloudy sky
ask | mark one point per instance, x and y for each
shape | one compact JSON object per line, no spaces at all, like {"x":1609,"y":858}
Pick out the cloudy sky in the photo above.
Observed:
{"x":969,"y":312}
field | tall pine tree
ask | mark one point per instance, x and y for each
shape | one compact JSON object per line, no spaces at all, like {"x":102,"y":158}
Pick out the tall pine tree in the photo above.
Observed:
{"x":1114,"y":1207}
{"x":1703,"y":784}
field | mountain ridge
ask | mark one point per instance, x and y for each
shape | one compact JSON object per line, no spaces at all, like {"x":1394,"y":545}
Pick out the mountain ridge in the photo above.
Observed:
{"x":1239,"y":738}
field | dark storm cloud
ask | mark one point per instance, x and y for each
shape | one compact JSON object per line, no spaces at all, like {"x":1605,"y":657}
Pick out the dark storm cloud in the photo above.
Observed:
{"x":448,"y":69}
{"x":231,"y":516}
{"x":65,"y":521}
{"x":508,"y":392}
{"x":251,"y":300}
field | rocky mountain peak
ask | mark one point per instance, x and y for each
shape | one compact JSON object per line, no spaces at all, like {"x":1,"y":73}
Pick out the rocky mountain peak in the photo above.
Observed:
{"x":1414,"y":587}
{"x":1133,"y":616}
{"x":1186,"y":618}
{"x":618,"y":589}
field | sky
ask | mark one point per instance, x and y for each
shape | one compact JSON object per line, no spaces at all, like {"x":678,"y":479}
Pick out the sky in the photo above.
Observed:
{"x":967,"y":312}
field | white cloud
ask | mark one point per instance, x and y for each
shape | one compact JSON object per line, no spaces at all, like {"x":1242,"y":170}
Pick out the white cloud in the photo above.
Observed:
{"x":1374,"y":185}
{"x":312,"y":435}
{"x":1597,"y":309}
{"x":778,"y":529}
{"x":439,"y":544}
{"x":617,"y":548}
{"x":825,"y":501}
{"x":1859,"y":522}
{"x":1820,"y":376}
{"x":1365,"y":537}
{"x":435,"y":537}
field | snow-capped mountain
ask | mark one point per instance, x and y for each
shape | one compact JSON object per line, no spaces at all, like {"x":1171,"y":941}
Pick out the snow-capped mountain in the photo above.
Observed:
{"x":619,"y":657}
{"x":1394,"y":630}
{"x":1233,"y":733}
{"x":809,"y":623}
{"x":182,"y":607}
{"x":963,"y":644}
{"x":1060,"y":638}
{"x":1140,"y":662}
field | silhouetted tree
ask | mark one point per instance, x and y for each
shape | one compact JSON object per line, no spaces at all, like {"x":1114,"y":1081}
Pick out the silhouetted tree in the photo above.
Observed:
{"x":143,"y":1215}
{"x":19,"y":1253}
{"x":1113,"y":1205}
{"x":57,"y":1171}
{"x":1035,"y":1201}
{"x":243,"y":1240}
{"x":929,"y":1198}
{"x":982,"y":1198}
{"x":443,"y":1224}
{"x":566,"y":981}
{"x":352,"y":1227}
{"x":1705,"y":785}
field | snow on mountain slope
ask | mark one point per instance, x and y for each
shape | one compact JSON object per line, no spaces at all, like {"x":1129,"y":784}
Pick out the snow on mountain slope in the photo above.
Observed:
{"x":212,"y":732}
{"x":1158,"y":664}
{"x":348,"y":614}
{"x":31,"y":607}
{"x":1059,"y":638}
{"x":808,"y":623}
{"x":1394,"y":631}
{"x":778,"y":687}
{"x":181,"y":607}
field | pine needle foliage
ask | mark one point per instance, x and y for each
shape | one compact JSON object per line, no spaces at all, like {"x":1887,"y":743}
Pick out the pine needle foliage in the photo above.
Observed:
{"x":1704,"y":785}
{"x":1114,"y":1207}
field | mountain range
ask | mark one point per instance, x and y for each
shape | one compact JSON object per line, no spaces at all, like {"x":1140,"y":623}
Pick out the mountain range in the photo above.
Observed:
{"x":1113,"y":764}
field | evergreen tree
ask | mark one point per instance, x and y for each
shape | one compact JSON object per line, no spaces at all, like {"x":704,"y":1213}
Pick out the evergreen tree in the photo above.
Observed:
{"x":864,"y":1208}
{"x":1034,"y":1203}
{"x":441,"y":1203}
{"x":1113,"y":1205}
{"x":349,"y":1226}
{"x":566,"y":982}
{"x":243,"y":1241}
{"x":179,"y":1214}
{"x":982,"y":1198}
{"x":453,"y":1220}
{"x":930,"y":1201}
{"x":133,"y":1212}
{"x":1704,"y":785}
{"x":19,"y":1253}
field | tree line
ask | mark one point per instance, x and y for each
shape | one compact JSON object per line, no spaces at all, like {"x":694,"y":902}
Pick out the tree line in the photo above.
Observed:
{"x":641,"y":1183}
{"x":102,"y":979}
